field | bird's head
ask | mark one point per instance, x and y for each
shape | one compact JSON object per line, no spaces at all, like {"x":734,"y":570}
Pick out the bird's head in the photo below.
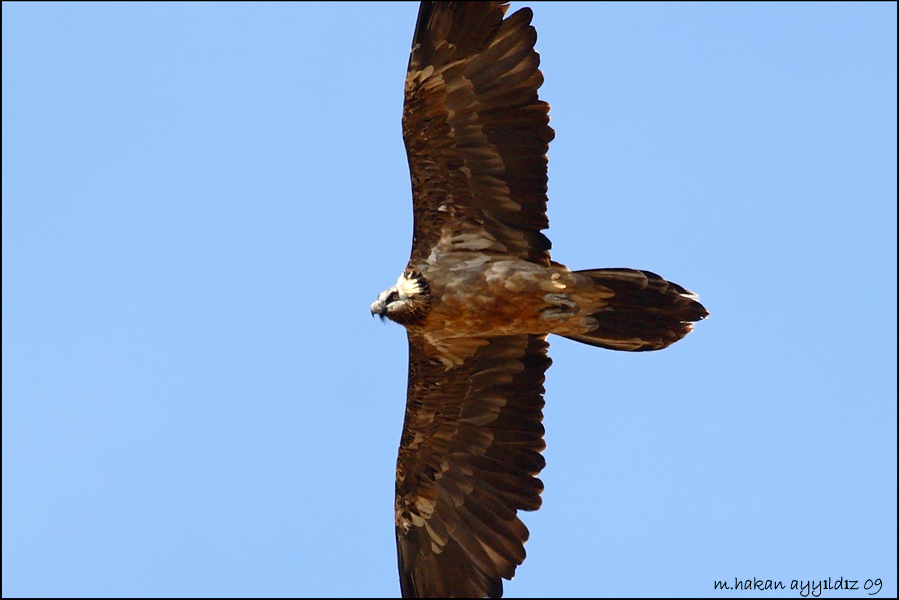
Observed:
{"x":405,"y":303}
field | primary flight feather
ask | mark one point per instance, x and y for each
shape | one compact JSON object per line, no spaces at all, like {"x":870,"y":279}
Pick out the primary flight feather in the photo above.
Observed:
{"x":480,"y":295}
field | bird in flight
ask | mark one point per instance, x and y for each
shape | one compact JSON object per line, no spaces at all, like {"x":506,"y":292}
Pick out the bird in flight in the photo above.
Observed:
{"x":480,"y":295}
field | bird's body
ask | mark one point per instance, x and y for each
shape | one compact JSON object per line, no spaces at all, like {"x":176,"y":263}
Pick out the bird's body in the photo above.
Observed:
{"x":479,"y":297}
{"x":470,"y":296}
{"x":476,"y":296}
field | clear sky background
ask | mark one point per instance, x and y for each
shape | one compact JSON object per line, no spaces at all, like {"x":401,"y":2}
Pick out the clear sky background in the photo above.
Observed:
{"x":200,"y":202}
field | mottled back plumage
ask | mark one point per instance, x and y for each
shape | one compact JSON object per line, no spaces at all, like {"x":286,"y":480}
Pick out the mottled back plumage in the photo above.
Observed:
{"x":480,"y":295}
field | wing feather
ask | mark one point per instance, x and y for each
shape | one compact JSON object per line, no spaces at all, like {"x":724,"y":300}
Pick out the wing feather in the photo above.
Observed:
{"x":468,"y":461}
{"x":476,"y":133}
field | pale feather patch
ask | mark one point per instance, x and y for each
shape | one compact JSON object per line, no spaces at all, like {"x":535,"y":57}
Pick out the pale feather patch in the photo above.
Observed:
{"x":552,"y":285}
{"x":437,"y":541}
{"x":420,"y":75}
{"x":559,"y":300}
{"x":425,"y":506}
{"x":471,"y":264}
{"x":452,"y":352}
{"x":514,"y":276}
{"x":469,"y":241}
{"x":407,"y":287}
{"x":602,"y":291}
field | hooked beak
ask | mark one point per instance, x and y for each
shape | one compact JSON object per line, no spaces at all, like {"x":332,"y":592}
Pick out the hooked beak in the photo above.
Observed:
{"x":378,"y":308}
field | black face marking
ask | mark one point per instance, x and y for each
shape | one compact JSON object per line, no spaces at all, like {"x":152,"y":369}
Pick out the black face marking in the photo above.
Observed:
{"x":394,"y":295}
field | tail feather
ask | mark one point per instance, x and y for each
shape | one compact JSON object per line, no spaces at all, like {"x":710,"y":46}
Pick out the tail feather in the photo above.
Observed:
{"x":646,"y":312}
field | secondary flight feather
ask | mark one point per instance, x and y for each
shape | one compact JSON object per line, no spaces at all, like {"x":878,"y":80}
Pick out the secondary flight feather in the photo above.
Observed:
{"x":479,"y":296}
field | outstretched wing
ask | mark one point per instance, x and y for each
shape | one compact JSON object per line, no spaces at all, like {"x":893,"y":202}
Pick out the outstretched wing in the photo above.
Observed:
{"x":476,"y":134}
{"x":468,"y":460}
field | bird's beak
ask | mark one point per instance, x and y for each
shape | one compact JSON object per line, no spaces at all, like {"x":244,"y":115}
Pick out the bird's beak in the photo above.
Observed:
{"x":378,"y":308}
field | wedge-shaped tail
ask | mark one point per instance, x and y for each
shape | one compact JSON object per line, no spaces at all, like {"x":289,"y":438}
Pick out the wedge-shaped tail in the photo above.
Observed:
{"x":646,"y":312}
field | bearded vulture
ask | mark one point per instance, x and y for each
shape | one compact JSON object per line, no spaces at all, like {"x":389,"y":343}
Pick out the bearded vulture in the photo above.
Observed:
{"x":480,"y":295}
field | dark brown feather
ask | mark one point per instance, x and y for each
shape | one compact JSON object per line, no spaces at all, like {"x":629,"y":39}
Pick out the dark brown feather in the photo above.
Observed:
{"x":468,"y":461}
{"x":646,"y":312}
{"x":476,"y":133}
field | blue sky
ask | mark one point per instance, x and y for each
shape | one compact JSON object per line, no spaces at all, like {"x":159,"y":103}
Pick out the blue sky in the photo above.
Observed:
{"x":200,"y":201}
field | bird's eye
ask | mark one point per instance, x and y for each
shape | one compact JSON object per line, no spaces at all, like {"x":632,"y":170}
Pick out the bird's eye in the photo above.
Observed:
{"x":392,"y":297}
